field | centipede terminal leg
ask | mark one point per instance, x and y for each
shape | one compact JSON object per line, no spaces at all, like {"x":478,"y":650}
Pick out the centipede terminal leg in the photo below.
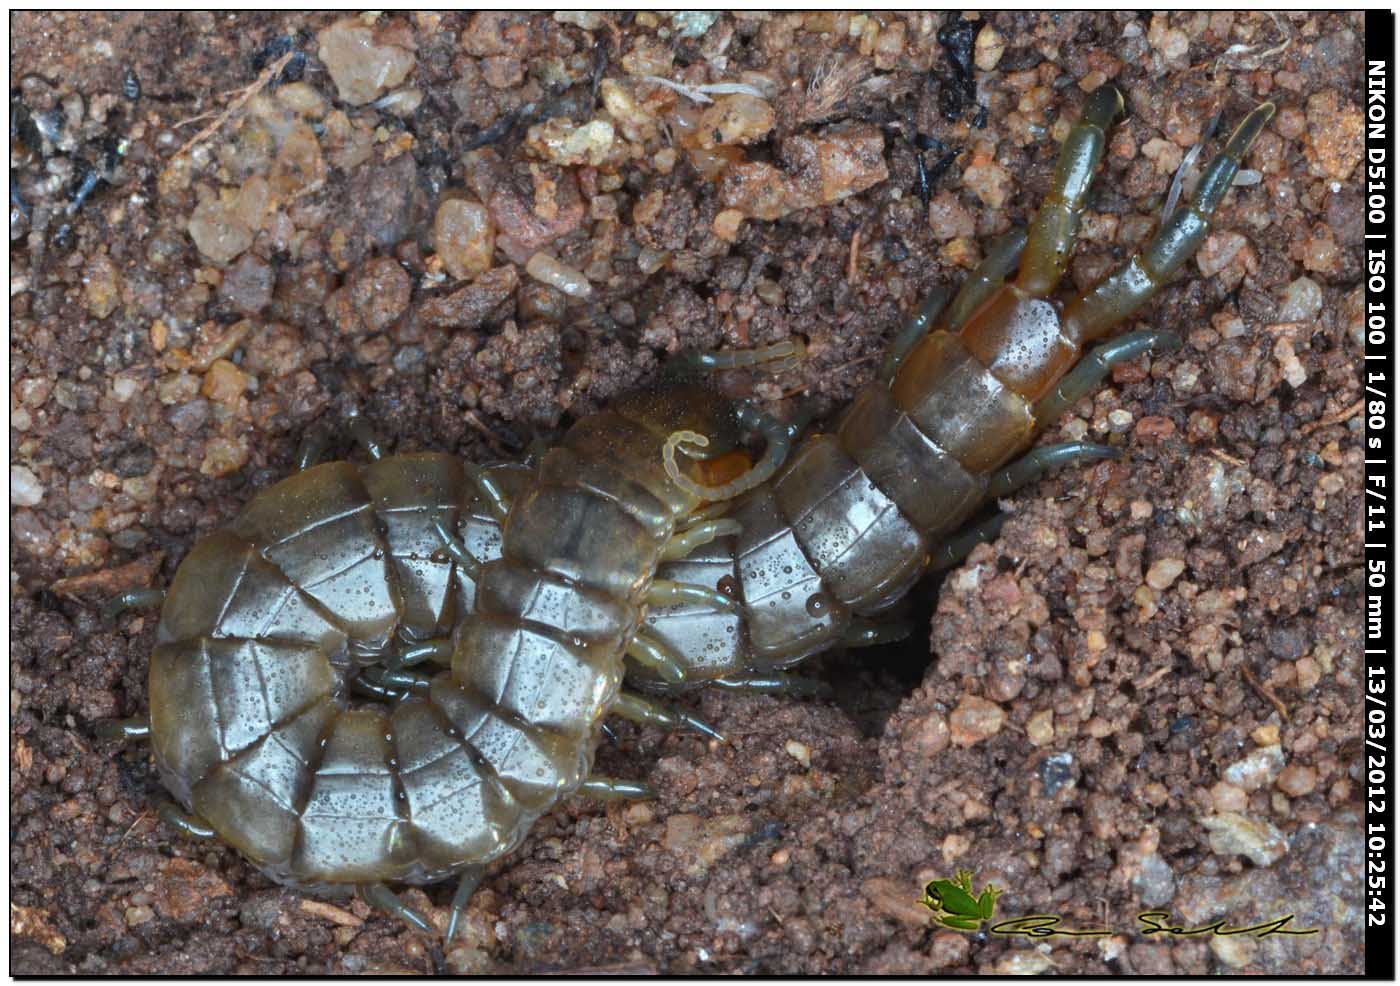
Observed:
{"x":1095,"y":313}
{"x":634,"y":708}
{"x":1094,"y":368}
{"x":1050,"y":240}
{"x":601,"y":788}
{"x":133,"y":599}
{"x":380,"y":896}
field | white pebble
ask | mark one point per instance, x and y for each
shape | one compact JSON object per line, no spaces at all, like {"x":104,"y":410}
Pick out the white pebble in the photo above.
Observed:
{"x":25,"y":488}
{"x":547,"y":270}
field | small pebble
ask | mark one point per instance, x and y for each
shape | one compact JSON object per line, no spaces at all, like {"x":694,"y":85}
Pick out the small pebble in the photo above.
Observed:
{"x":25,"y":488}
{"x":1040,"y":728}
{"x":1235,"y":834}
{"x":1164,"y":572}
{"x":224,"y":383}
{"x":1296,"y":780}
{"x":464,"y":237}
{"x":799,"y":752}
{"x":361,"y":69}
{"x":737,"y":119}
{"x":989,"y":48}
{"x":974,"y":720}
{"x":547,"y":270}
{"x":1256,"y":770}
{"x":1302,"y":301}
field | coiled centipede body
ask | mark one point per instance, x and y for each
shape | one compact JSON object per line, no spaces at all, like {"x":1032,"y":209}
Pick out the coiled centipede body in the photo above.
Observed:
{"x":340,"y":576}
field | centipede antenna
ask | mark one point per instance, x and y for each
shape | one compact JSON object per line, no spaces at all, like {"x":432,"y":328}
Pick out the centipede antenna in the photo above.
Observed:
{"x":133,"y":599}
{"x":123,"y":729}
{"x":601,"y":788}
{"x":466,"y":886}
{"x":458,"y":551}
{"x":380,"y":896}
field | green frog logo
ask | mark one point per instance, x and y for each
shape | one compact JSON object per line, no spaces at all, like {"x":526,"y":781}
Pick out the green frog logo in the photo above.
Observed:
{"x":954,"y":905}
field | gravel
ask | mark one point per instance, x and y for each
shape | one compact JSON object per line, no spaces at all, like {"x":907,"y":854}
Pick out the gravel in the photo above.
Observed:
{"x":1064,"y":729}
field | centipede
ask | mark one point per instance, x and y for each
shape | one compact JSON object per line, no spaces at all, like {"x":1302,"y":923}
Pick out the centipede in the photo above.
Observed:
{"x":384,"y":673}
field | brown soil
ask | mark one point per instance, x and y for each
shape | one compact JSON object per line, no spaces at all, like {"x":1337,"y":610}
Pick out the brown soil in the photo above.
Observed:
{"x":1144,"y":694}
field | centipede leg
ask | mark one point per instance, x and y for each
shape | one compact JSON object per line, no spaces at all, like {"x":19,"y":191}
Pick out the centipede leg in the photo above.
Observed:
{"x":365,"y":435}
{"x":634,"y":708}
{"x":774,"y":683}
{"x":466,"y":886}
{"x":777,"y":358}
{"x":912,"y":331}
{"x":1036,"y":463}
{"x":380,"y":896}
{"x":665,"y":592}
{"x":491,"y":491}
{"x":185,"y":823}
{"x":1092,"y":370}
{"x":437,"y":650}
{"x":311,"y":447}
{"x":457,"y":550}
{"x":1095,"y":313}
{"x":952,"y":552}
{"x":1050,"y":240}
{"x":133,"y":599}
{"x":1003,"y":255}
{"x":652,"y":653}
{"x":602,"y":788}
{"x":123,"y":729}
{"x":682,"y":543}
{"x":867,"y":632}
